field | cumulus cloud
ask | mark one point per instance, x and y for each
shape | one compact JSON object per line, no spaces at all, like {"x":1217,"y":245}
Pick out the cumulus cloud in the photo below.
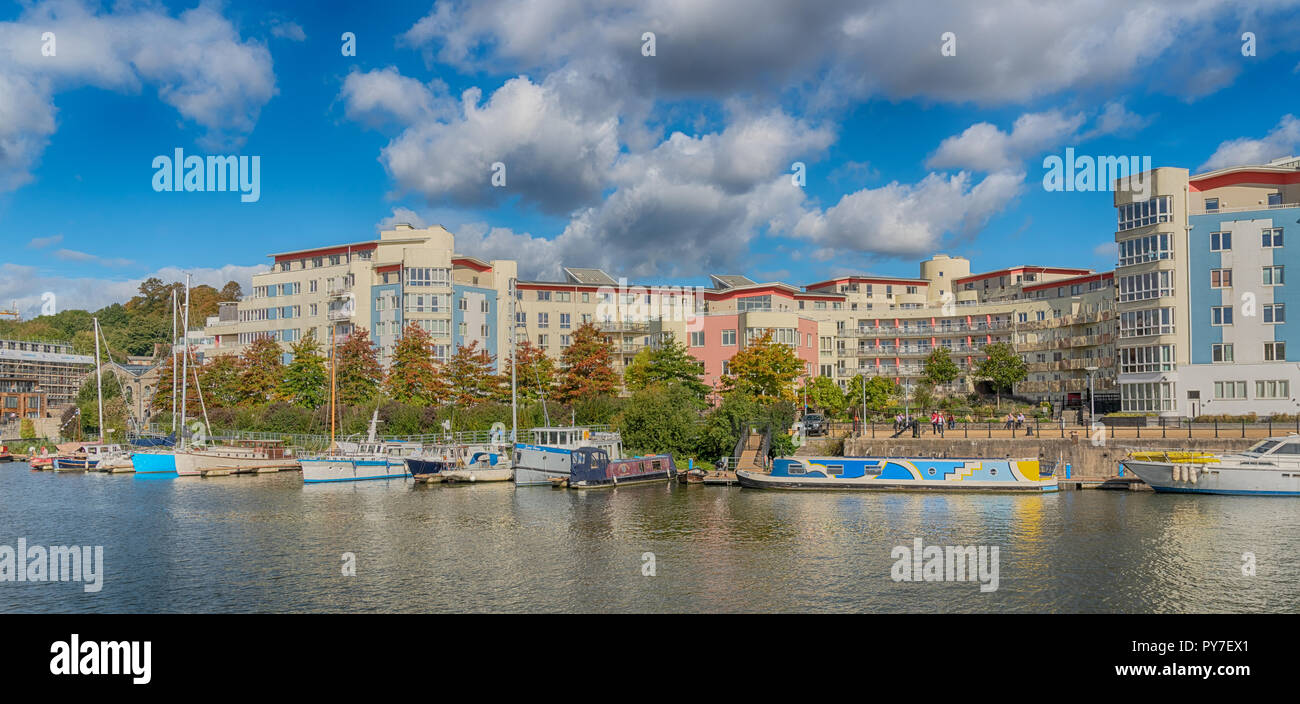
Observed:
{"x":43,"y":242}
{"x":196,"y":61}
{"x":911,"y":219}
{"x":383,"y":96}
{"x":1281,"y":141}
{"x":984,"y":147}
{"x":26,"y":284}
{"x":288,"y":30}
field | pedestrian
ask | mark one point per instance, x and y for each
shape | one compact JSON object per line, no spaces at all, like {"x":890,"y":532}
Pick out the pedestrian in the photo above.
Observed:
{"x":1020,"y":420}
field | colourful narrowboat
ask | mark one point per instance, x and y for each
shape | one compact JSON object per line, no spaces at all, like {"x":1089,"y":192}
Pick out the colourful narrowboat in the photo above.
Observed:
{"x":904,"y":473}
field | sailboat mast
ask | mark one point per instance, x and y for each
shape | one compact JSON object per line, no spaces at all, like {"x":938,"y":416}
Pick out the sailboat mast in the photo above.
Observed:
{"x":99,"y":383}
{"x":175,"y":381}
{"x":333,"y":384}
{"x":514,"y":382}
{"x":185,"y":356}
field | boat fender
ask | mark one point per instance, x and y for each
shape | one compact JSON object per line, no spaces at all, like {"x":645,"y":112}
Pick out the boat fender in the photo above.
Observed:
{"x":1193,"y":472}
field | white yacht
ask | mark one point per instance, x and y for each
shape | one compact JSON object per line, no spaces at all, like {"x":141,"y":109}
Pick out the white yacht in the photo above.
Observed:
{"x":551,"y":452}
{"x":1269,"y":467}
{"x":371,"y":459}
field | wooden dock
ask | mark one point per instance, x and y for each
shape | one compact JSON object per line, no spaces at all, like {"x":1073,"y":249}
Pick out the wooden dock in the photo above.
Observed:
{"x":719,"y":478}
{"x":429,"y":478}
{"x":1103,"y":483}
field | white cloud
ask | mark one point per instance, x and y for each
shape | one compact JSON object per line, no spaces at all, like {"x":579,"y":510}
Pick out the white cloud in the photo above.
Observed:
{"x":399,"y":216}
{"x":26,"y":284}
{"x":72,"y":255}
{"x":196,"y":61}
{"x":288,"y":30}
{"x":43,"y":242}
{"x":380,"y":96}
{"x":984,"y":147}
{"x":1281,"y":141}
{"x":911,"y":219}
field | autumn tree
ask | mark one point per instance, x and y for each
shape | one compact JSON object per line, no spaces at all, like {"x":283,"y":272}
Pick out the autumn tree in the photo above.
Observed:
{"x":588,"y":366}
{"x":468,"y":375}
{"x":669,"y":362}
{"x":765,"y":369}
{"x":413,"y":376}
{"x":358,"y":372}
{"x":306,"y":379}
{"x":261,"y":372}
{"x":536,"y":373}
{"x":219,"y":377}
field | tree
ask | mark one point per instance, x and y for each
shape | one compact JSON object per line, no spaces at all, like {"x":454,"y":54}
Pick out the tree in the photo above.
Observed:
{"x":765,"y":369}
{"x":661,"y":418}
{"x":468,"y":375}
{"x":670,"y":362}
{"x":939,"y":367}
{"x":219,"y":377}
{"x":1001,"y":367}
{"x":261,"y":372}
{"x":588,"y":367}
{"x":825,"y":394}
{"x":724,"y":425}
{"x":358,"y":373}
{"x":536,"y":373}
{"x":880,"y":393}
{"x":27,"y":429}
{"x":306,"y":379}
{"x":413,"y":374}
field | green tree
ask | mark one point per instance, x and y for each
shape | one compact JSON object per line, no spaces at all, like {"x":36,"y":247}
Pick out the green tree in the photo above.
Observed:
{"x":939,"y":367}
{"x":660,"y":418}
{"x":219,"y":377}
{"x":306,"y":378}
{"x":724,"y":425}
{"x":765,"y":369}
{"x":358,"y":372}
{"x":826,"y":395}
{"x":468,"y":375}
{"x":413,"y":373}
{"x":669,"y":362}
{"x":1001,"y":367}
{"x":27,"y":429}
{"x":880,"y":393}
{"x":588,"y":367}
{"x":261,"y":372}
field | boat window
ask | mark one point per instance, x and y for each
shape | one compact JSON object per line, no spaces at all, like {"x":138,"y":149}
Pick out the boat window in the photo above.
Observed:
{"x":656,"y":465}
{"x":1263,"y":446}
{"x":835,"y":470}
{"x":1288,"y":448}
{"x":797,"y":468}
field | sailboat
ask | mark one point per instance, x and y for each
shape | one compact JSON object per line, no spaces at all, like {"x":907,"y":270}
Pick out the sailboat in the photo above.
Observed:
{"x":370,"y":459}
{"x":163,"y":461}
{"x":90,"y":456}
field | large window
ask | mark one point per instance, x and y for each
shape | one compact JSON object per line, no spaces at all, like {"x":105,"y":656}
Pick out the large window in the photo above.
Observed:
{"x":426,"y":276}
{"x":755,"y":303}
{"x":1220,"y":241}
{"x":1273,"y":237}
{"x":1274,"y":351}
{"x":1142,"y":398}
{"x":1221,"y":315}
{"x":1221,"y":352}
{"x":1230,"y":390}
{"x":1145,"y":213}
{"x":428,"y":302}
{"x":1154,"y":358}
{"x":1220,"y":278}
{"x":1279,"y":388}
{"x":1144,"y":249}
{"x":1273,"y":276}
{"x":1153,"y":321}
{"x":1140,"y":287}
{"x":1275,"y":313}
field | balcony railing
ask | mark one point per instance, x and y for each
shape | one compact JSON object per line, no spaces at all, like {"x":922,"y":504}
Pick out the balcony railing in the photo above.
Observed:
{"x":928,"y":330}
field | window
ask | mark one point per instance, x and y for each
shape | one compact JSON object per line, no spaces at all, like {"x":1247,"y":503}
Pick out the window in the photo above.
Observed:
{"x":1221,"y":352}
{"x":1274,"y":275}
{"x":1144,"y":249}
{"x":1211,"y":205}
{"x":426,"y":276}
{"x":1275,"y":198}
{"x":729,"y":338}
{"x":1274,"y":351}
{"x":566,"y":321}
{"x":1158,"y":396}
{"x":1274,"y":313}
{"x":563,"y":296}
{"x":1221,"y":315}
{"x":1220,"y":241}
{"x":1229,"y":390}
{"x":1220,"y":278}
{"x":697,"y":339}
{"x":566,"y":340}
{"x":1152,"y":321}
{"x":543,"y":320}
{"x":1272,"y":389}
{"x":1137,"y":360}
{"x":1144,"y":213}
{"x":1154,"y":284}
{"x":543,"y":295}
{"x":1273,"y":237}
{"x":542,"y":340}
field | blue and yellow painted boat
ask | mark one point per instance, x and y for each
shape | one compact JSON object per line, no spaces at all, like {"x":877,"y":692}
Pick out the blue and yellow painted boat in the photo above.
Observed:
{"x":904,"y":473}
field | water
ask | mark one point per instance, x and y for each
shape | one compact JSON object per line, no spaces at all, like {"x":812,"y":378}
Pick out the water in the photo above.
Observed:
{"x":270,"y":544}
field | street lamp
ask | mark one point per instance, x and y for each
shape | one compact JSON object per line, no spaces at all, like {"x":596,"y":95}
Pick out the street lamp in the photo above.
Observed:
{"x":1092,"y":403}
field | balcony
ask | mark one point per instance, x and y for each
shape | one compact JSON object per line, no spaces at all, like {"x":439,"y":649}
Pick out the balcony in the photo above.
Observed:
{"x":930,"y":330}
{"x":623,"y":326}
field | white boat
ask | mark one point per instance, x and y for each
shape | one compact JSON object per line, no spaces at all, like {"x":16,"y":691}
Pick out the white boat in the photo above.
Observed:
{"x":1269,"y":468}
{"x":479,"y":467}
{"x":550,"y":454}
{"x":246,"y":456}
{"x":372,"y":459}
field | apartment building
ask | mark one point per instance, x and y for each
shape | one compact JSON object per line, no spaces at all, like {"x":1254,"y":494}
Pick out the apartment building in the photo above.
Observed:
{"x":37,"y":377}
{"x":1202,"y":289}
{"x":408,"y":276}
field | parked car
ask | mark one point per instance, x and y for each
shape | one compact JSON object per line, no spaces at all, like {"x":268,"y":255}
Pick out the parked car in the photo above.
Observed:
{"x":815,"y":424}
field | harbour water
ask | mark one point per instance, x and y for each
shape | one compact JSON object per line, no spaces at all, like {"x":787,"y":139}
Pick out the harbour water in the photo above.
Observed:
{"x":270,"y":544}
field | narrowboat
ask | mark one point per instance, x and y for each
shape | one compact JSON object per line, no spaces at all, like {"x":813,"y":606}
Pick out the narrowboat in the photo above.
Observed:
{"x":1268,"y":468}
{"x":904,"y":473}
{"x":550,"y":455}
{"x":593,"y":469}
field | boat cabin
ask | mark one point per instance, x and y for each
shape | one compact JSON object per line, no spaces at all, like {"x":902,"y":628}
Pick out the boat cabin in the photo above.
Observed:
{"x":1283,"y":447}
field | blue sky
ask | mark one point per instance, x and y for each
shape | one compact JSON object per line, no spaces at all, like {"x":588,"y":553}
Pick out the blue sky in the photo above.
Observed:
{"x":661,"y":168}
